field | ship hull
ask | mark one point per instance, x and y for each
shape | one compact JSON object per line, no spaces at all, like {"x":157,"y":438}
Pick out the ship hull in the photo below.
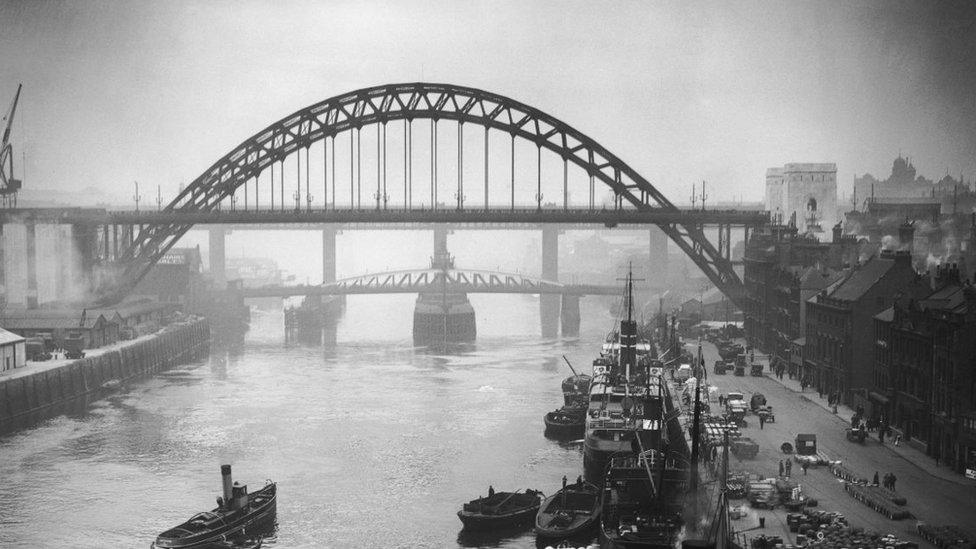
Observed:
{"x":443,"y":319}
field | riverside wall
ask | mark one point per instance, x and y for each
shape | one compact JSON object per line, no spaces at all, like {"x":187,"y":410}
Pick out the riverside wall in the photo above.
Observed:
{"x":43,"y":390}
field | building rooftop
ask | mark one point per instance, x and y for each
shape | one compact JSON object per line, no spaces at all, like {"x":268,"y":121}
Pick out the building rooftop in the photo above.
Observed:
{"x":886,"y":315}
{"x":9,"y":337}
{"x":132,"y":308}
{"x":813,"y":278}
{"x":52,"y":319}
{"x":863,"y":279}
{"x":810,"y":167}
{"x":951,"y":299}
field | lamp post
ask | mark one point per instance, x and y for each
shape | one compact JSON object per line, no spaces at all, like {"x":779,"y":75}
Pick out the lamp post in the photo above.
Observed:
{"x":136,"y":196}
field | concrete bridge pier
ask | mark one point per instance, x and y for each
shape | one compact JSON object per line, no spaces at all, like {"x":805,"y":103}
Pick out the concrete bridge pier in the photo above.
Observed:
{"x":218,"y":256}
{"x":549,"y":303}
{"x":440,"y":240}
{"x":657,"y":268}
{"x":84,"y":240}
{"x":329,"y":254}
{"x":3,"y":271}
{"x":31,"y":265}
{"x":569,"y":315}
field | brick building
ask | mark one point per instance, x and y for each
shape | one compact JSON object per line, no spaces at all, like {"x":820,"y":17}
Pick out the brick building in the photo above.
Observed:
{"x":840,"y":323}
{"x":783,"y":269}
{"x":924,"y":379}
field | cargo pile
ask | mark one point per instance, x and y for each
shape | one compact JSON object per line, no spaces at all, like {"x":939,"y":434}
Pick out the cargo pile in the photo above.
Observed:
{"x":826,"y":530}
{"x":873,"y":499}
{"x":844,"y":473}
{"x":893,"y":497}
{"x":946,"y":537}
{"x":819,"y":458}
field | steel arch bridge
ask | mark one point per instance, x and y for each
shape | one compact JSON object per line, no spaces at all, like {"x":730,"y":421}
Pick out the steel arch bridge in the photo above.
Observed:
{"x":436,"y":280}
{"x":348,"y":113}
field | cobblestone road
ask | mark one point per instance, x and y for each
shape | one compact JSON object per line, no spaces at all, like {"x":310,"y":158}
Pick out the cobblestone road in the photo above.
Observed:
{"x":931,"y":499}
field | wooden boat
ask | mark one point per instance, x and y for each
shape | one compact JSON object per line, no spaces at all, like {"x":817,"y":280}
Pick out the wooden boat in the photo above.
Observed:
{"x":566,"y":421}
{"x":568,"y":512}
{"x":576,"y":389}
{"x":237,"y":512}
{"x":500,"y":510}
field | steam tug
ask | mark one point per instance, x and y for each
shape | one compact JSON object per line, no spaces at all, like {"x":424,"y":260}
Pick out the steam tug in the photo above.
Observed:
{"x":237,"y":513}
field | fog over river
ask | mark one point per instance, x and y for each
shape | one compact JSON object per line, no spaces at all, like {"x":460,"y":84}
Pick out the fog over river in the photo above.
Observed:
{"x":373,"y":443}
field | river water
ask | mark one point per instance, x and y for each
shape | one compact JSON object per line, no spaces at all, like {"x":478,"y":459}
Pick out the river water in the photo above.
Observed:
{"x":373,"y":443}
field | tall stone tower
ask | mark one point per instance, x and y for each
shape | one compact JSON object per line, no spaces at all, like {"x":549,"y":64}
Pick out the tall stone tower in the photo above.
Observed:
{"x":808,"y":190}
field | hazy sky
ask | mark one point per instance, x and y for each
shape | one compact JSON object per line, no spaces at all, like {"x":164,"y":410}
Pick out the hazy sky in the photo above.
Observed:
{"x":157,"y":91}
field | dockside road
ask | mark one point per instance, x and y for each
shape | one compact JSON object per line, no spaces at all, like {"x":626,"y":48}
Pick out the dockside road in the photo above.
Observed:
{"x":934,"y":497}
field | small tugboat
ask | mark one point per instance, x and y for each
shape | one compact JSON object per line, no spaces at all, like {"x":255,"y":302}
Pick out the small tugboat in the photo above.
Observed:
{"x":500,"y":510}
{"x":570,"y":511}
{"x":237,"y":511}
{"x":566,"y":422}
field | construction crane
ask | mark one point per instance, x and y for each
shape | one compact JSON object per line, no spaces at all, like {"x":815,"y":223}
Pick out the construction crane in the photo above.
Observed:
{"x":8,"y":185}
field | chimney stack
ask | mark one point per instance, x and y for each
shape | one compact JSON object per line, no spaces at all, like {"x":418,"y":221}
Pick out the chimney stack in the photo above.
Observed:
{"x":228,"y":485}
{"x":906,"y":236}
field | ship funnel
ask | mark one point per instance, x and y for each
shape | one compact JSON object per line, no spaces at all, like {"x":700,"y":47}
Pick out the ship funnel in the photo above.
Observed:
{"x":228,"y":484}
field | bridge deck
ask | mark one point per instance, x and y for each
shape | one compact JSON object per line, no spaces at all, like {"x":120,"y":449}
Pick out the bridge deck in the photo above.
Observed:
{"x":527,"y":216}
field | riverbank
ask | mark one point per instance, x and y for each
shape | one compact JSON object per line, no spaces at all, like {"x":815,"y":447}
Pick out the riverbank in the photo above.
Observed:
{"x":47,"y":389}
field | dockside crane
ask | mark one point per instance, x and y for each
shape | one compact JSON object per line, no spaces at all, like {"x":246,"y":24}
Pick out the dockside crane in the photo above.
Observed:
{"x":8,"y":185}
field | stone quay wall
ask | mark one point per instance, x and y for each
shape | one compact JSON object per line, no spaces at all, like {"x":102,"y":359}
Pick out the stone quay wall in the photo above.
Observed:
{"x":44,"y":390}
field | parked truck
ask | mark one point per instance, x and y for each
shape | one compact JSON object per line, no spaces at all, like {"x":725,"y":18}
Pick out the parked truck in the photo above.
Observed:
{"x":73,"y":347}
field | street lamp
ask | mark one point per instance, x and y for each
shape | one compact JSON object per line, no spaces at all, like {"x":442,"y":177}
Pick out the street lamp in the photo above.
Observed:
{"x":136,"y":196}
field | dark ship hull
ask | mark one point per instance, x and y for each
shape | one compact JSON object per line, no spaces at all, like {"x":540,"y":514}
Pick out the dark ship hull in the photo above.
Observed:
{"x":205,"y":529}
{"x":443,"y":318}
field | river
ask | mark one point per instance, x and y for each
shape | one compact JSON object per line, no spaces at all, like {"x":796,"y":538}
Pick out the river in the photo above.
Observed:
{"x":373,"y":443}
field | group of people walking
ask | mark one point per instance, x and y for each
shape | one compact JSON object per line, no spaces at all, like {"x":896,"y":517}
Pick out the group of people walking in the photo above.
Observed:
{"x":785,"y":468}
{"x":889,"y":481}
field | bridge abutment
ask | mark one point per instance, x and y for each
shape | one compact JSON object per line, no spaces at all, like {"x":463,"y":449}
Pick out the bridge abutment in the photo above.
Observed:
{"x":31,"y":265}
{"x":569,"y":315}
{"x":218,"y":256}
{"x":549,"y":303}
{"x":3,"y":270}
{"x":84,"y":240}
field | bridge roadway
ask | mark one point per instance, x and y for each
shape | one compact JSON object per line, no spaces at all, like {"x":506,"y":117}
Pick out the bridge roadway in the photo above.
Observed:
{"x":507,"y":218}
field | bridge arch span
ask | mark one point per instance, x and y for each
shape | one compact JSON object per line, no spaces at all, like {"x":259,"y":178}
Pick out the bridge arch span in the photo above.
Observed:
{"x":409,"y":102}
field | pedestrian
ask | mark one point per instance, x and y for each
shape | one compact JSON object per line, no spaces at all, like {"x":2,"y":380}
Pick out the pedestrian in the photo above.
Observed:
{"x":762,"y":421}
{"x":781,"y":468}
{"x":564,"y":482}
{"x":881,"y":433}
{"x":887,"y":481}
{"x":491,"y":491}
{"x":897,"y":439}
{"x":893,"y":479}
{"x":789,"y":468}
{"x":875,"y":478}
{"x":804,"y":465}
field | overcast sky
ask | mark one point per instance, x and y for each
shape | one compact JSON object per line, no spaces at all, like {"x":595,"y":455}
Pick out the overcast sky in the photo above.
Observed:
{"x":157,"y":91}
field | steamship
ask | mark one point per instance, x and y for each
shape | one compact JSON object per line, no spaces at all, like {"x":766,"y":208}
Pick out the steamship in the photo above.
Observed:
{"x":237,"y":512}
{"x":441,"y":317}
